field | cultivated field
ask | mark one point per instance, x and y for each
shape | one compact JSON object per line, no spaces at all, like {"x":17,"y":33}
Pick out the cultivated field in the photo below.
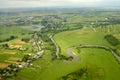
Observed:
{"x":58,"y":33}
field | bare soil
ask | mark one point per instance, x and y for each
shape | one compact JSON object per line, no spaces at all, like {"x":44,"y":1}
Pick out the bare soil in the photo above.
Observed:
{"x":9,"y":52}
{"x":14,"y":58}
{"x":3,"y":65}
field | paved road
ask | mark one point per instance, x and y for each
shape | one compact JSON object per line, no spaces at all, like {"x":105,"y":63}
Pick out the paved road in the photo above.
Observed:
{"x":75,"y":57}
{"x":57,"y":48}
{"x":70,"y":53}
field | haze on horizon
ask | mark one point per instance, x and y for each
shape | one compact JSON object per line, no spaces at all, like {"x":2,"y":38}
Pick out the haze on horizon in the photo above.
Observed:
{"x":58,"y":3}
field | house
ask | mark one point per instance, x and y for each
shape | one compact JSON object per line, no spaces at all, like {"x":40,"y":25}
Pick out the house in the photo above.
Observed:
{"x":39,"y":54}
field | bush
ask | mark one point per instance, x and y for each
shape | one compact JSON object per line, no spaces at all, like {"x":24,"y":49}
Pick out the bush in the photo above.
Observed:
{"x":8,"y":39}
{"x":25,"y":39}
{"x":75,"y":75}
{"x":112,"y":40}
{"x":5,"y":45}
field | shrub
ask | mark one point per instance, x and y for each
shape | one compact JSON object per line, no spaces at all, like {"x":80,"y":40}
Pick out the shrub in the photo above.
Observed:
{"x":112,"y":40}
{"x":25,"y":39}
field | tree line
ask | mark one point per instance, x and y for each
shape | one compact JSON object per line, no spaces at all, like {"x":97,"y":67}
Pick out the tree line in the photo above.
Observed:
{"x":8,"y":39}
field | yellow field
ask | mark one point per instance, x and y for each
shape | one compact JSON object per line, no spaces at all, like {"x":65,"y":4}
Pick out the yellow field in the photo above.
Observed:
{"x":3,"y":65}
{"x":9,"y":52}
{"x":17,"y":43}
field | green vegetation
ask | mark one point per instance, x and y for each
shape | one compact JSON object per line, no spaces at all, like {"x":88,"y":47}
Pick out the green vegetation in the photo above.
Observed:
{"x":90,"y":57}
{"x":23,"y":36}
{"x":112,"y":40}
{"x":75,"y":75}
{"x":25,"y":39}
{"x":12,"y":32}
{"x":86,"y":36}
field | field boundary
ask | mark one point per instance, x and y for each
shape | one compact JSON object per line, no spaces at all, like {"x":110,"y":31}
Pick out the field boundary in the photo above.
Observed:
{"x":97,"y":46}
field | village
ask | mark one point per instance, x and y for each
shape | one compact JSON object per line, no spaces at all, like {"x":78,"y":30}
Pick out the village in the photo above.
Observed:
{"x":26,"y":61}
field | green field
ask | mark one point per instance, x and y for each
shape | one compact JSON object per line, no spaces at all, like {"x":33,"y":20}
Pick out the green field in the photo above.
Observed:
{"x":100,"y":64}
{"x":6,"y":32}
{"x":94,"y":58}
{"x":68,"y":28}
{"x":77,"y":37}
{"x":12,"y":54}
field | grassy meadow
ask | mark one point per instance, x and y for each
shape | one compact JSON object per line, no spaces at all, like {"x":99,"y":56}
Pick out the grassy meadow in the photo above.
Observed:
{"x":87,"y":26}
{"x":12,"y":54}
{"x":101,"y":64}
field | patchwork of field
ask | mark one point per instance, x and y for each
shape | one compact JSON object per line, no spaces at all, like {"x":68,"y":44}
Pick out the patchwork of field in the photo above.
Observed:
{"x":100,"y":64}
{"x":11,"y":49}
{"x":68,"y":30}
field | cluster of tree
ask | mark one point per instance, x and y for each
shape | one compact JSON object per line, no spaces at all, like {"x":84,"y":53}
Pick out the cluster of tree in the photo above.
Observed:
{"x":78,"y":49}
{"x":75,"y":75}
{"x":62,"y":57}
{"x":52,"y":22}
{"x":8,"y":39}
{"x":114,"y":20}
{"x":112,"y":40}
{"x":12,"y":69}
{"x":44,"y":37}
{"x":44,"y":22}
{"x":116,"y":51}
{"x":25,"y":39}
{"x":52,"y":27}
{"x":101,"y":25}
{"x":110,"y":21}
{"x":53,"y":55}
{"x":5,"y":45}
{"x":27,"y":58}
{"x":52,"y":48}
